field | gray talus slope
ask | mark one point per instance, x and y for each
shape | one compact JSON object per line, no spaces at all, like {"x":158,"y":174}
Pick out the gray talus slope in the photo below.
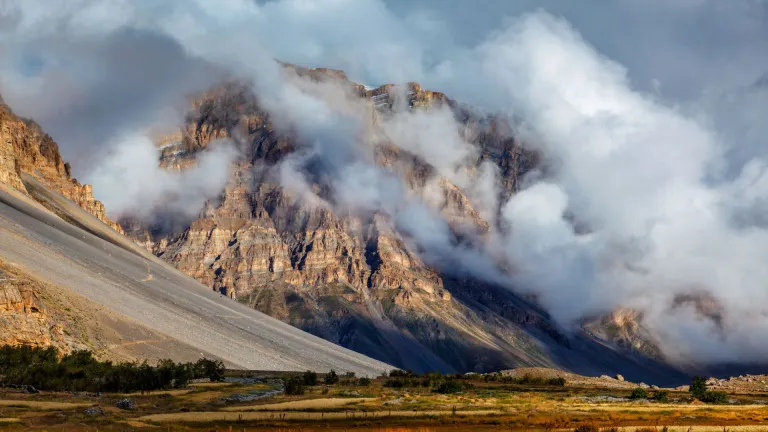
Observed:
{"x":136,"y":285}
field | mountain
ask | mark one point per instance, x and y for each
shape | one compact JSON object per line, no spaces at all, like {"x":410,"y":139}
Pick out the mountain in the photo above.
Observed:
{"x":70,"y":279}
{"x":355,"y":279}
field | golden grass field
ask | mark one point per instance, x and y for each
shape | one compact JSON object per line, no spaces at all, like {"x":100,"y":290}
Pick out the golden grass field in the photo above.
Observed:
{"x":480,"y":407}
{"x":320,"y":403}
{"x":41,"y":405}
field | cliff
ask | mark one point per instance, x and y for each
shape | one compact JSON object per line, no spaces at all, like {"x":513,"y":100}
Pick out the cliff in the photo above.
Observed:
{"x":25,"y":148}
{"x":24,"y":318}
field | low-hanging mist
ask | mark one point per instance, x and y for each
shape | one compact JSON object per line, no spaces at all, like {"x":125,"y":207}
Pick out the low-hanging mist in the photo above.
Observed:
{"x":131,"y":182}
{"x":668,"y":196}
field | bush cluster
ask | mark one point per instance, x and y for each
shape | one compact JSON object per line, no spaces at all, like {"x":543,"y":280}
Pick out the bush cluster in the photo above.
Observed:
{"x":714,"y":397}
{"x":331,"y":378}
{"x":397,"y":373}
{"x":46,"y":369}
{"x":526,"y":379}
{"x":310,"y":378}
{"x":698,"y":390}
{"x":638,"y":393}
{"x":294,"y":385}
{"x":641,"y":393}
{"x":449,"y":387}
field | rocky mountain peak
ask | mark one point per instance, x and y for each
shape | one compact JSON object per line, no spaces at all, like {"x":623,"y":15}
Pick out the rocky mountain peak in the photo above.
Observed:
{"x":353,"y":278}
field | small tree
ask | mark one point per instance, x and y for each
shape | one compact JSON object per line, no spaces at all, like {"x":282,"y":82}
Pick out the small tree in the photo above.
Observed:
{"x":331,"y":378}
{"x":364,"y":382}
{"x":211,"y":369}
{"x":661,"y":396}
{"x":310,"y":378}
{"x":698,"y":388}
{"x":638,"y":393}
{"x":294,"y":386}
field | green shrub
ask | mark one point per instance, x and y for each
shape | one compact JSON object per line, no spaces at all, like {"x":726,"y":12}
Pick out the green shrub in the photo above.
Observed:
{"x":638,"y":393}
{"x":364,"y":381}
{"x":331,"y":378}
{"x":449,"y":387}
{"x":714,"y":397}
{"x":397,"y":383}
{"x":211,"y":369}
{"x":698,"y":388}
{"x":310,"y":378}
{"x":294,"y":386}
{"x":398,"y":373}
{"x":559,"y":381}
{"x":661,"y":396}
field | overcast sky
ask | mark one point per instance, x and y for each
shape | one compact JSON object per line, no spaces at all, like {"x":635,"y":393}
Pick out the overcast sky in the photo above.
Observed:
{"x":59,"y":53}
{"x":687,"y":45}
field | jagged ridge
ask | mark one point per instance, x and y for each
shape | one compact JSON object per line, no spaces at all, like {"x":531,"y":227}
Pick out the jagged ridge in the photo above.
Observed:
{"x":352,"y":279}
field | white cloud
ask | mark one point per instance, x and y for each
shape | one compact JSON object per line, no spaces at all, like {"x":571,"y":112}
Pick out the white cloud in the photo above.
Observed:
{"x":130,"y":181}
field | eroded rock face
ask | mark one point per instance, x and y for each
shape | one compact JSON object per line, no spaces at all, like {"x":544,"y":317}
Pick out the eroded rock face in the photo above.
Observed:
{"x":25,"y":148}
{"x":23,"y":317}
{"x":623,"y":328}
{"x":352,"y":278}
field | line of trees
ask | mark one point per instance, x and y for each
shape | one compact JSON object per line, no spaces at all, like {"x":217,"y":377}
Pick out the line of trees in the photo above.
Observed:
{"x":47,"y":369}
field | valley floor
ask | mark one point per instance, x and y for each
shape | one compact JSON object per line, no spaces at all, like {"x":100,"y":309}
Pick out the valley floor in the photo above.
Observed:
{"x":253,"y":405}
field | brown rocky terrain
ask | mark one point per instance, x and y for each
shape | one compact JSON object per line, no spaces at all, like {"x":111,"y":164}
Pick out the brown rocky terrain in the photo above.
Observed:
{"x":351,"y":278}
{"x":25,"y":148}
{"x":24,"y":318}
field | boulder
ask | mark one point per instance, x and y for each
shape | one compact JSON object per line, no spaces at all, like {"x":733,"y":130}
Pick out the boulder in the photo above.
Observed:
{"x":94,"y":411}
{"x":126,"y":404}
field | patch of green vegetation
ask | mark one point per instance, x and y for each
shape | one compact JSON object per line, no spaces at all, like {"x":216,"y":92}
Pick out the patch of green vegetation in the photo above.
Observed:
{"x":46,"y":369}
{"x":449,"y":387}
{"x":661,"y":396}
{"x":331,"y":378}
{"x":638,"y":393}
{"x":698,"y":387}
{"x":714,"y":397}
{"x":310,"y":378}
{"x":698,"y":390}
{"x":526,"y":379}
{"x":294,"y":386}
